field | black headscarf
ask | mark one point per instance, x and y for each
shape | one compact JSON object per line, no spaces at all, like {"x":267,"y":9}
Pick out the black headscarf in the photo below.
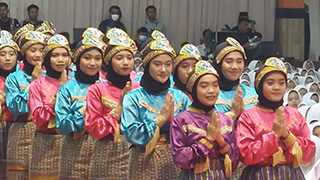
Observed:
{"x":224,"y":83}
{"x":196,"y":103}
{"x":80,"y":75}
{"x":27,"y":67}
{"x":4,"y":73}
{"x":116,"y":79}
{"x":50,"y":71}
{"x":151,"y":85}
{"x":263,"y":101}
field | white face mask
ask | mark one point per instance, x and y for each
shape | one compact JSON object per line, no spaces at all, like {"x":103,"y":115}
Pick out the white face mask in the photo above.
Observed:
{"x":115,"y":17}
{"x":142,"y":37}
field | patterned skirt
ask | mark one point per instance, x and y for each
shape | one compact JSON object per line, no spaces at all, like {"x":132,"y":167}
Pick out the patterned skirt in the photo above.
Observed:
{"x":110,"y":159}
{"x":44,"y":162}
{"x":4,"y":129}
{"x":18,"y":149}
{"x":75,"y":157}
{"x":279,"y":172}
{"x":157,"y":165}
{"x":215,"y":172}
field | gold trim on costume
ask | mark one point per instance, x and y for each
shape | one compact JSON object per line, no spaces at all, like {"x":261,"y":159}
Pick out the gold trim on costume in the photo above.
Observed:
{"x":23,"y":87}
{"x":290,"y":140}
{"x":297,"y":153}
{"x":250,"y":100}
{"x":24,"y":29}
{"x":228,"y":165}
{"x":225,"y":149}
{"x":202,"y":167}
{"x":159,"y":120}
{"x":56,"y":41}
{"x":191,"y":128}
{"x":17,"y":167}
{"x":278,"y":157}
{"x":223,"y":102}
{"x":226,"y":129}
{"x":188,"y":51}
{"x":76,"y":98}
{"x":178,"y":106}
{"x":109,"y":102}
{"x":205,"y":142}
{"x":82,"y":110}
{"x":153,"y":142}
{"x":150,"y":108}
{"x":114,"y":113}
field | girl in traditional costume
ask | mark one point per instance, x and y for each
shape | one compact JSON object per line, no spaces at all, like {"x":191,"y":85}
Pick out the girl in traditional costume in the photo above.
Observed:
{"x":44,"y":162}
{"x":233,"y":98}
{"x":203,"y":141}
{"x":273,"y":140}
{"x":147,"y":112}
{"x":104,"y":107}
{"x":77,"y":144}
{"x":183,"y":65}
{"x":17,"y":94}
{"x":8,"y":62}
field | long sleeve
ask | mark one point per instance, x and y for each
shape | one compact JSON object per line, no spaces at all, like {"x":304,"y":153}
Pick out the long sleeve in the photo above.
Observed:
{"x":187,"y":155}
{"x":41,"y":111}
{"x":229,"y":134}
{"x":69,"y":115}
{"x":137,"y":130}
{"x":16,"y":96}
{"x":254,"y":149}
{"x":98,"y":121}
{"x":302,"y":134}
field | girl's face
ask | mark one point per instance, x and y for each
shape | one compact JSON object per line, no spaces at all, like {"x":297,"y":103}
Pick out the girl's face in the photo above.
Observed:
{"x":303,"y":72}
{"x":314,"y":88}
{"x":208,"y":89}
{"x":34,"y":54}
{"x":316,"y":131}
{"x":296,"y":80}
{"x":302,"y":92}
{"x":308,"y":80}
{"x":311,"y":73}
{"x":90,"y":62}
{"x":309,"y":65}
{"x":160,"y":68}
{"x":8,"y":58}
{"x":184,"y":68}
{"x":315,"y":98}
{"x":293,"y":99}
{"x":122,"y":62}
{"x":233,"y":65}
{"x":274,"y":87}
{"x":59,"y":59}
{"x":291,"y":85}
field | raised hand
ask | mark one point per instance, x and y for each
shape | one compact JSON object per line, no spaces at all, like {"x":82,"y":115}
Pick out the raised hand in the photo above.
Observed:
{"x":280,"y":123}
{"x":124,"y":91}
{"x":63,"y":77}
{"x":237,"y":105}
{"x":213,"y":127}
{"x":167,"y":110}
{"x":37,"y":71}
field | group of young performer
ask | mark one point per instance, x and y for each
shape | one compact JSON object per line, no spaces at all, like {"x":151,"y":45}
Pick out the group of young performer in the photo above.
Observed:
{"x":101,"y":122}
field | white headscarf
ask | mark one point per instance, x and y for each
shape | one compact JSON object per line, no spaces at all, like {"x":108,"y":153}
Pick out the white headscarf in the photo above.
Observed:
{"x":286,"y":97}
{"x":303,"y":109}
{"x":298,"y":87}
{"x":308,"y":96}
{"x":253,"y":64}
{"x":313,"y":113}
{"x":308,"y":86}
{"x":304,"y":64}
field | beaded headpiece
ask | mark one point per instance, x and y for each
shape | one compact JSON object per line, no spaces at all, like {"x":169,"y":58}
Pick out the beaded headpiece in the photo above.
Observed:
{"x":159,"y":45}
{"x":271,"y":64}
{"x":233,"y":45}
{"x":24,"y":29}
{"x":33,"y":37}
{"x":8,"y":42}
{"x":201,"y":68}
{"x":56,"y":41}
{"x":47,"y":27}
{"x":92,"y":31}
{"x":187,"y":51}
{"x":88,"y":42}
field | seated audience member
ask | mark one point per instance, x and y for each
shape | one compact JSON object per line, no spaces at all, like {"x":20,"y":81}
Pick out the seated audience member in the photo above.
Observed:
{"x":151,"y":22}
{"x":113,"y":21}
{"x":207,"y":47}
{"x":33,"y":16}
{"x":142,"y":35}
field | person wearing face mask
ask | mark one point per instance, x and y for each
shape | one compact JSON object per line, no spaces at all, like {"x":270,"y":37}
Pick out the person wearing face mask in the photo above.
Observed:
{"x":8,"y":62}
{"x":17,"y":94}
{"x":76,"y":143}
{"x":45,"y":145}
{"x":273,"y":140}
{"x":142,"y":35}
{"x":197,"y":143}
{"x":113,"y":21}
{"x":147,"y":113}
